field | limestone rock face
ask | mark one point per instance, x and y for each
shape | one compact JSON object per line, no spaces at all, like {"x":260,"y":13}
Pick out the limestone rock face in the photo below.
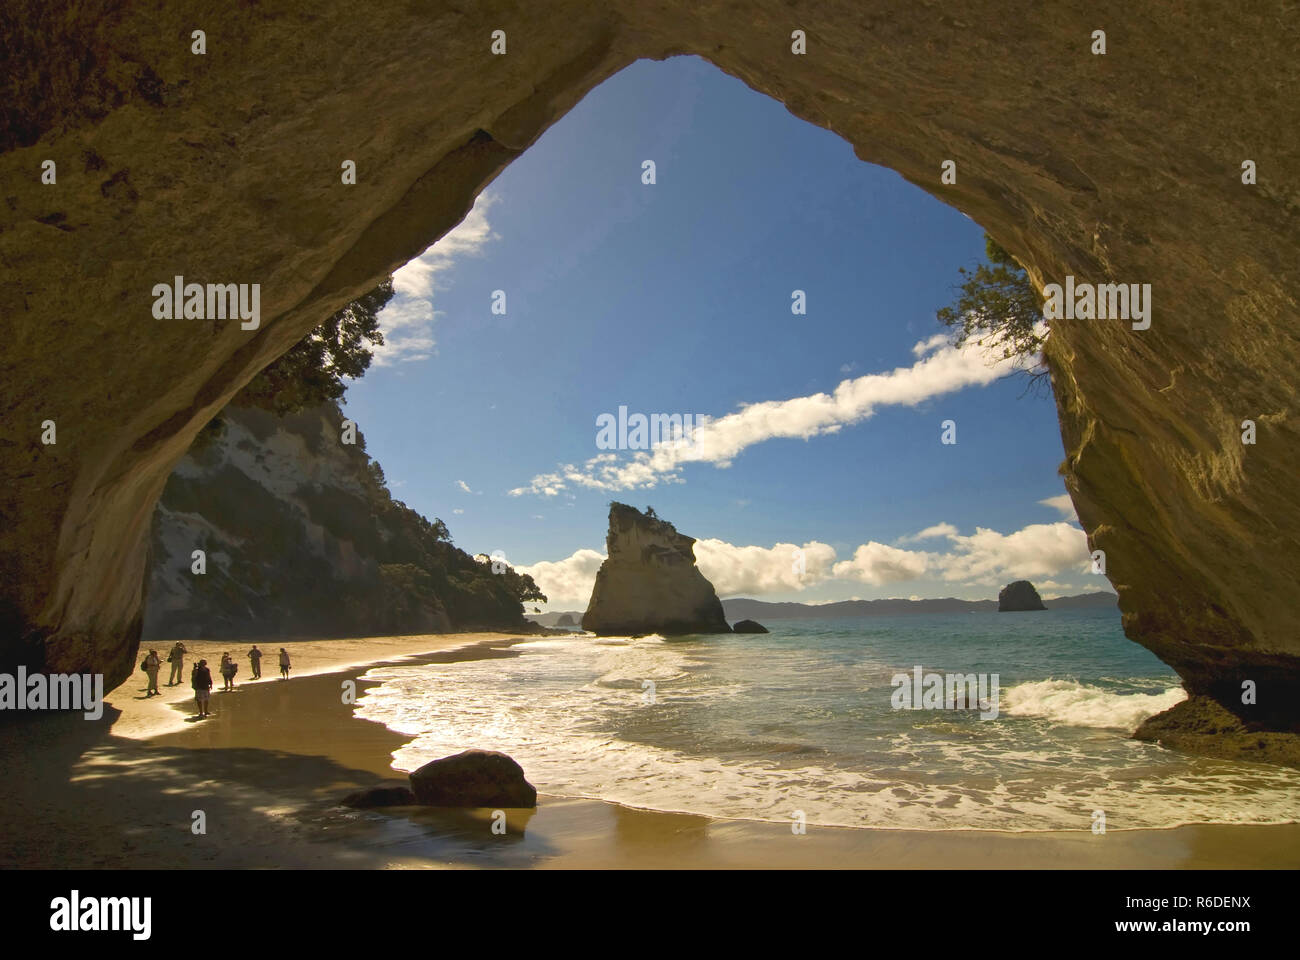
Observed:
{"x":225,"y":168}
{"x":274,"y":502}
{"x":1019,"y":595}
{"x":303,"y":538}
{"x":1201,"y":725}
{"x":649,"y":582}
{"x":475,"y":778}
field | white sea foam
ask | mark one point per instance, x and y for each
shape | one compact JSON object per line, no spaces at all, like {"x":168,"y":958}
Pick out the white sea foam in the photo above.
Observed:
{"x":1081,"y":705}
{"x":738,"y":739}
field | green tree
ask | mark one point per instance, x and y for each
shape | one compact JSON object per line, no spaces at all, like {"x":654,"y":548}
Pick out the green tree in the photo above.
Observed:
{"x":998,"y":307}
{"x":521,"y":586}
{"x":313,"y":370}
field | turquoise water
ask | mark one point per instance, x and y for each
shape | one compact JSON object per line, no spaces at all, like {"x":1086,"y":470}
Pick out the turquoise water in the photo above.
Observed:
{"x":801,"y":721}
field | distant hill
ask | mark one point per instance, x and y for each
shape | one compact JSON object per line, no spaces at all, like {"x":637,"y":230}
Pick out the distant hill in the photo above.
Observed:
{"x":552,"y":618}
{"x":743,"y":608}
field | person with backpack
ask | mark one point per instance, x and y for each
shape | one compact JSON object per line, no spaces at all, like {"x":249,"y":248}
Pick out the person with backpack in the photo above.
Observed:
{"x":255,"y":658}
{"x":177,"y":659}
{"x":201,"y":678}
{"x":284,"y":664}
{"x":228,"y":668}
{"x":151,"y":666}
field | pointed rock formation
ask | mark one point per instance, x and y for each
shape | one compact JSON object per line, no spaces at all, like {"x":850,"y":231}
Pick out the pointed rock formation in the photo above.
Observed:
{"x":649,"y":582}
{"x":1019,"y":595}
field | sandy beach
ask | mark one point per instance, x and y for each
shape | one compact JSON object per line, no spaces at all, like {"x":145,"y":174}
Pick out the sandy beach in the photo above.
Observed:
{"x":268,"y":768}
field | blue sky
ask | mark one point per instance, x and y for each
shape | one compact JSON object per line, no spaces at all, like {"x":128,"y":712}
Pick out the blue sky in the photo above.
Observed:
{"x":676,"y":298}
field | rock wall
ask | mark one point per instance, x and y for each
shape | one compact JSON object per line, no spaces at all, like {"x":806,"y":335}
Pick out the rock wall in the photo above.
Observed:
{"x":649,"y":583}
{"x":224,"y":167}
{"x":294,"y":538}
{"x":301,"y":537}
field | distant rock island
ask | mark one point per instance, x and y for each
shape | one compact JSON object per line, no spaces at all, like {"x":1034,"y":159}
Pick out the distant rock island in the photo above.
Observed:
{"x":649,"y":582}
{"x":738,"y":608}
{"x":748,"y":626}
{"x":557,"y":618}
{"x":1019,"y":595}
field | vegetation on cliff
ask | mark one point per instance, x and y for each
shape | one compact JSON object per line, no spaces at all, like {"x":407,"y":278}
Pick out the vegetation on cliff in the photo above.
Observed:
{"x":312,"y":371}
{"x":302,"y":536}
{"x":999,"y":306}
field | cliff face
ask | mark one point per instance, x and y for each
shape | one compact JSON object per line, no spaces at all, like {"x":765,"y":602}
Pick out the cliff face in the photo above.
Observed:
{"x":301,"y":538}
{"x":649,"y":582}
{"x":1019,"y":595}
{"x":1125,"y":167}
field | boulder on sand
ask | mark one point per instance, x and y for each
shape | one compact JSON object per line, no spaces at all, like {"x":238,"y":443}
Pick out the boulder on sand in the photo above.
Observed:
{"x":475,"y":778}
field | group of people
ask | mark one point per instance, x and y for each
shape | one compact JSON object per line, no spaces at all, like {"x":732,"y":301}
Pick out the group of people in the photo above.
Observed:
{"x":201,"y":676}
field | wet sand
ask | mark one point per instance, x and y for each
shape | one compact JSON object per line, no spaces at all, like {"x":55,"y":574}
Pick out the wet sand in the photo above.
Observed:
{"x":267,"y":770}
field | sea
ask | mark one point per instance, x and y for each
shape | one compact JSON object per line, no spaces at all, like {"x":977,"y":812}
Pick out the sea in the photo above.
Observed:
{"x":803,"y":725}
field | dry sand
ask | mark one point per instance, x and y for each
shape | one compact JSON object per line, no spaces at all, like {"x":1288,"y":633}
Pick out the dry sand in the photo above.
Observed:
{"x":268,"y":768}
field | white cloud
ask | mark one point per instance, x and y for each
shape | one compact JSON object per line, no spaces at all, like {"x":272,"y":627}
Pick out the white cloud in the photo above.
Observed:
{"x":407,"y":321}
{"x":877,"y":564}
{"x":938,"y":530}
{"x":464,"y":486}
{"x":985,"y":558}
{"x":567,"y":583}
{"x":761,"y":570}
{"x":941,"y":368}
{"x":1038,"y":550}
{"x":458,"y":511}
{"x":1063,"y":504}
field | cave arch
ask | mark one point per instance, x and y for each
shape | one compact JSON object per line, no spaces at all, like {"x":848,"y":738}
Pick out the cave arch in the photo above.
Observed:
{"x":1123,"y":167}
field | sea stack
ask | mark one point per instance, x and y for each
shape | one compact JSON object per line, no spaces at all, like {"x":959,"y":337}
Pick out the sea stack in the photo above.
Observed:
{"x":1020,"y":595}
{"x":649,"y":582}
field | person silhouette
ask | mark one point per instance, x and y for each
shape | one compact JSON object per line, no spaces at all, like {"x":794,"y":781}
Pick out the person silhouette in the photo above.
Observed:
{"x":255,"y":658}
{"x":284,"y":664}
{"x":152,"y":664}
{"x":201,"y":679}
{"x":177,"y":659}
{"x":228,"y":669}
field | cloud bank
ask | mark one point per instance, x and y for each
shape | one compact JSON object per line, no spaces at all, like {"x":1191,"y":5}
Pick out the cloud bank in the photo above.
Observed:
{"x":985,"y":558}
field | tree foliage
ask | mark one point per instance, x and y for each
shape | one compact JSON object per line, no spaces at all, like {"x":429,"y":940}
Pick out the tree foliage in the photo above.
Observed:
{"x":520,"y":585}
{"x":998,"y":307}
{"x":312,"y":371}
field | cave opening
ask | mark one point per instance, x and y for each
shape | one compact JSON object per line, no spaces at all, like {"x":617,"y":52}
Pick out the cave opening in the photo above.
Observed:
{"x":662,"y":266}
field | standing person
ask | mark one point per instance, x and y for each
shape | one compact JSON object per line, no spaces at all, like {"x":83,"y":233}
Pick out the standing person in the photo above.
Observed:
{"x":152,"y":664}
{"x":228,"y":669}
{"x":255,"y":657}
{"x":284,"y":664}
{"x":202,"y":680}
{"x":177,"y":659}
